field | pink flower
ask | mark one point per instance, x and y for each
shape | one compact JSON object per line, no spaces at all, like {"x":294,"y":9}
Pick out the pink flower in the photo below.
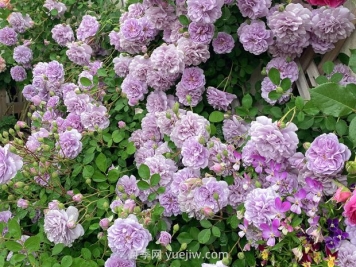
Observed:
{"x":341,"y":195}
{"x":330,"y":3}
{"x":350,"y":210}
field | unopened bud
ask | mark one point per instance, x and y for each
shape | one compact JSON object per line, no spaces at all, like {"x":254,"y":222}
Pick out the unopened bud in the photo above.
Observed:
{"x":264,"y":72}
{"x":202,"y":140}
{"x":175,"y":107}
{"x":168,"y":115}
{"x":175,"y":228}
{"x":258,"y":184}
{"x":279,"y":90}
{"x":104,"y":223}
{"x":106,"y":205}
{"x":216,"y":196}
{"x":241,"y":255}
{"x":77,"y":198}
{"x":100,"y":235}
{"x":306,"y":145}
{"x":351,"y":167}
{"x":137,"y":209}
{"x":189,"y":99}
{"x":19,"y":184}
{"x":13,"y":149}
{"x":12,"y":132}
{"x":226,"y":261}
{"x":88,"y":181}
{"x":60,"y":206}
{"x":183,"y":247}
{"x":11,"y":197}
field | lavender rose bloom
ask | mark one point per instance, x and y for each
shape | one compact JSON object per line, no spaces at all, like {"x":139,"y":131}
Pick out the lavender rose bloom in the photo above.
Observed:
{"x":165,"y":238}
{"x":285,"y":68}
{"x":218,"y":99}
{"x":194,"y":53}
{"x":95,"y":117}
{"x":272,"y":142}
{"x":61,"y":226}
{"x":260,"y":207}
{"x":62,"y":34}
{"x":194,"y":154}
{"x":134,"y":89}
{"x":87,"y":28}
{"x":132,"y":30}
{"x":22,"y":54}
{"x":116,"y":261}
{"x":223,"y":43}
{"x":189,"y":97}
{"x":207,"y":11}
{"x":70,"y":144}
{"x":201,"y":32}
{"x":127,"y":238}
{"x":235,"y":130}
{"x":254,"y":37}
{"x":168,"y":59}
{"x":121,"y":65}
{"x":127,"y":185}
{"x":254,"y":8}
{"x":10,"y":164}
{"x":156,"y":101}
{"x":326,"y":156}
{"x":8,"y":36}
{"x":268,"y":86}
{"x":76,"y":103}
{"x":19,"y":22}
{"x":193,"y":78}
{"x":55,"y":72}
{"x":55,"y":5}
{"x":18,"y":73}
{"x":79,"y":53}
{"x":346,"y":254}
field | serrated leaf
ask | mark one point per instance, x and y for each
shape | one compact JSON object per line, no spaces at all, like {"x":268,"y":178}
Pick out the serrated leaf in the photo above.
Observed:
{"x":130,"y":149}
{"x":286,"y":84}
{"x":142,"y":185}
{"x":306,"y":123}
{"x":155,"y":179}
{"x":337,"y":77}
{"x":14,"y":228}
{"x":206,"y":224}
{"x":184,"y":237}
{"x":57,"y":249}
{"x":88,"y":171}
{"x":33,"y":243}
{"x":332,"y":99}
{"x":247,"y":101}
{"x":216,"y":231}
{"x":183,"y":20}
{"x":328,"y":67}
{"x":13,"y":246}
{"x":299,"y":103}
{"x":144,"y":171}
{"x":66,"y":261}
{"x":273,"y":95}
{"x":216,"y":116}
{"x":86,"y":253}
{"x":118,"y":136}
{"x":321,"y":80}
{"x":204,"y":236}
{"x":274,"y":76}
{"x":330,"y":123}
{"x":341,"y":127}
{"x":101,"y":162}
{"x":85,"y":81}
{"x":352,"y":131}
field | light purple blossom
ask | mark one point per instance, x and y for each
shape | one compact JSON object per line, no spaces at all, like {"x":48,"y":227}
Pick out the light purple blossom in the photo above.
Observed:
{"x":168,"y":59}
{"x":296,"y":201}
{"x":121,"y":65}
{"x":194,"y":53}
{"x":194,"y":154}
{"x":223,"y":43}
{"x":79,"y":53}
{"x":115,"y":260}
{"x":207,"y":11}
{"x":127,"y":185}
{"x":165,"y":238}
{"x":139,"y":67}
{"x":76,"y":103}
{"x":61,"y":226}
{"x":169,"y":201}
{"x":87,"y":28}
{"x":134,"y":89}
{"x":22,"y":203}
{"x":346,"y":255}
{"x":254,"y":9}
{"x":18,"y":73}
{"x":160,"y":16}
{"x":132,"y":29}
{"x":285,"y":68}
{"x":62,"y":34}
{"x":201,"y":32}
{"x":10,"y":164}
{"x":8,"y":36}
{"x":22,"y":54}
{"x":156,"y":101}
{"x":32,"y":143}
{"x":326,"y":156}
{"x":70,"y":144}
{"x":55,"y":72}
{"x":219,"y":99}
{"x":254,"y":37}
{"x":127,"y":238}
{"x":239,"y":190}
{"x":189,"y":97}
{"x":55,"y":5}
{"x":193,"y":78}
{"x":270,"y":232}
{"x":19,"y":22}
{"x":162,"y":166}
{"x":95,"y":117}
{"x":348,"y":76}
{"x":268,"y":86}
{"x":235,"y":130}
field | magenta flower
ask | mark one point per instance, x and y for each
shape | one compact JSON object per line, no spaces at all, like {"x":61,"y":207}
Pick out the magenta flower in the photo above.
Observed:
{"x":270,"y":232}
{"x":297,"y":201}
{"x":281,"y":207}
{"x":243,"y":228}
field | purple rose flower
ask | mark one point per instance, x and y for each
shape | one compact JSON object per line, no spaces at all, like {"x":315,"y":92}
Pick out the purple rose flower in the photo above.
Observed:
{"x":22,"y":54}
{"x":18,"y":73}
{"x":134,"y":89}
{"x":168,"y":59}
{"x":79,"y":53}
{"x":169,"y":201}
{"x":189,"y":97}
{"x":55,"y":5}
{"x":201,"y":32}
{"x":193,"y":78}
{"x":121,"y":65}
{"x":19,"y":22}
{"x":55,"y":72}
{"x":194,"y":53}
{"x":156,"y":101}
{"x":268,"y":86}
{"x":162,"y":166}
{"x":346,"y":255}
{"x":207,"y":11}
{"x":87,"y":28}
{"x":132,"y":29}
{"x":139,"y":67}
{"x":62,"y":34}
{"x":219,"y":99}
{"x":347,"y":75}
{"x":127,"y":238}
{"x":70,"y":144}
{"x":235,"y":130}
{"x":254,"y":9}
{"x":95,"y":117}
{"x":115,"y":260}
{"x":8,"y":36}
{"x":61,"y":226}
{"x":254,"y":37}
{"x":165,"y":238}
{"x":239,"y":190}
{"x":194,"y":154}
{"x":76,"y":103}
{"x":223,"y":43}
{"x":326,"y":156}
{"x":285,"y":68}
{"x":32,"y":143}
{"x":10,"y":164}
{"x":127,"y":185}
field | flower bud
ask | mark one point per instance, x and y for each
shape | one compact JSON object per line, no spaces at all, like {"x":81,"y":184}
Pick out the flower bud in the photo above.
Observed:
{"x":106,"y":205}
{"x":19,"y":184}
{"x":342,"y":194}
{"x":88,"y":181}
{"x":137,"y":209}
{"x":26,"y":188}
{"x":264,"y":71}
{"x":175,"y":228}
{"x":168,"y":115}
{"x":104,"y":223}
{"x":241,"y":255}
{"x":279,"y":90}
{"x":22,"y":203}
{"x":4,"y":187}
{"x":12,"y":132}
{"x":306,"y":145}
{"x":100,"y":235}
{"x":216,"y":196}
{"x":5,"y":134}
{"x":70,"y":193}
{"x":11,"y":197}
{"x":183,"y":247}
{"x":78,"y":198}
{"x":258,"y":184}
{"x":121,"y":124}
{"x":176,"y":108}
{"x":60,"y":206}
{"x":351,"y":167}
{"x":189,"y":99}
{"x":202,"y":140}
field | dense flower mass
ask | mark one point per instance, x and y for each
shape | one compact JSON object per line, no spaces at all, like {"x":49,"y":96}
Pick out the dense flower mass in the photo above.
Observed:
{"x":10,"y":164}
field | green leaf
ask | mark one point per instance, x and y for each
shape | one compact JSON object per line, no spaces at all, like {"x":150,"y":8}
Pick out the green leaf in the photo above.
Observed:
{"x":57,"y":249}
{"x":85,"y":81}
{"x":299,"y":103}
{"x":102,"y":203}
{"x":88,"y":171}
{"x":276,"y":112}
{"x":330,"y":123}
{"x":216,"y":231}
{"x":142,"y":185}
{"x":33,"y":243}
{"x":306,"y":123}
{"x":296,"y":221}
{"x":341,"y":127}
{"x":152,"y":196}
{"x":216,"y":116}
{"x":286,"y":84}
{"x":273,"y":95}
{"x":301,"y":116}
{"x":118,"y":136}
{"x":66,"y":261}
{"x":352,"y":60}
{"x":250,"y":258}
{"x":184,"y":237}
{"x":247,"y":101}
{"x":175,"y":263}
{"x":328,"y":67}
{"x":88,"y":158}
{"x":14,"y":228}
{"x":226,"y":14}
{"x":155,"y":179}
{"x":321,"y":80}
{"x":13,"y":246}
{"x":352,"y":131}
{"x":274,"y":76}
{"x":204,"y":236}
{"x":17,"y":258}
{"x":130,"y":149}
{"x":101,"y":162}
{"x":54,"y":12}
{"x":183,"y":20}
{"x":234,"y":222}
{"x":102,"y":73}
{"x":206,"y":224}
{"x":332,"y":99}
{"x":113,"y":175}
{"x":337,"y":77}
{"x":86,"y":253}
{"x":144,"y":171}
